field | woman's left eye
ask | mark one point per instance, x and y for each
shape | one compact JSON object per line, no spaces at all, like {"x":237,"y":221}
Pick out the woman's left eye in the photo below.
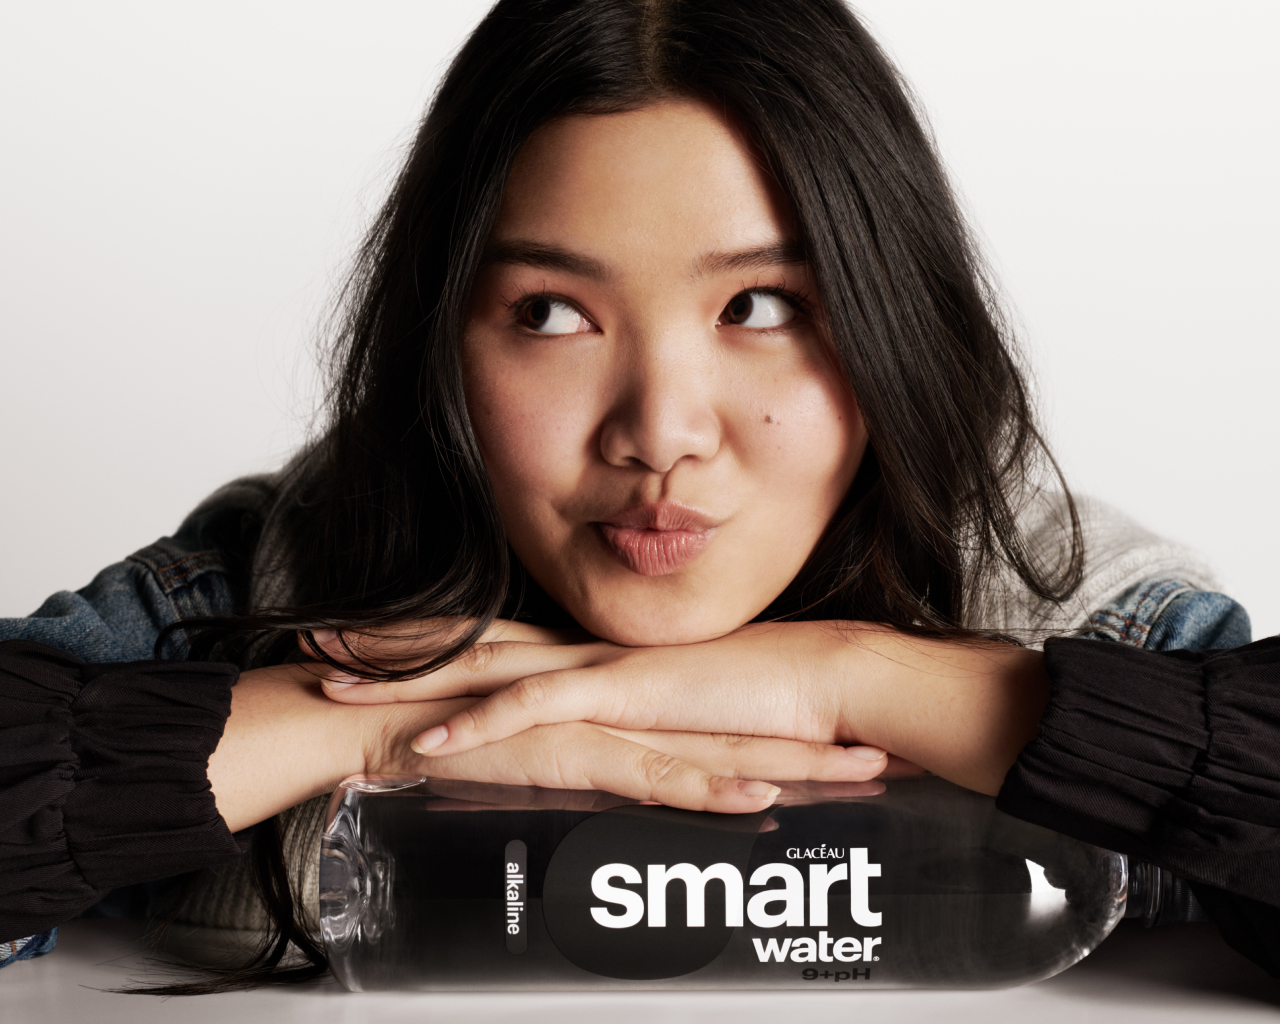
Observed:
{"x":758,"y":309}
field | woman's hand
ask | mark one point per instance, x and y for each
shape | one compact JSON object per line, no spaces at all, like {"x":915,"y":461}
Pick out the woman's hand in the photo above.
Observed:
{"x":962,"y":710}
{"x":411,"y":643}
{"x":781,"y":663}
{"x":696,"y":771}
{"x":690,"y":769}
{"x":284,"y":743}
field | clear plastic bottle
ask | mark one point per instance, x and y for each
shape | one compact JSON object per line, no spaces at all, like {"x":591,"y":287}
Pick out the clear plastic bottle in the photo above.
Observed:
{"x":901,"y":882}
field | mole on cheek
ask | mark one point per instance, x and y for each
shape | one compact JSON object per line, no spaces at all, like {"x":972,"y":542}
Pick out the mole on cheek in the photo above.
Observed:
{"x":769,"y":419}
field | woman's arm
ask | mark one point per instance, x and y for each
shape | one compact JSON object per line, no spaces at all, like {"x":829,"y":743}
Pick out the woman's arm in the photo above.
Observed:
{"x":963,"y":711}
{"x":285,"y":742}
{"x":1170,"y":756}
{"x":122,"y":773}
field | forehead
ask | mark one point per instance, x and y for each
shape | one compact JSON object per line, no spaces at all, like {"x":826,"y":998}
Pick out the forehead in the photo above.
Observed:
{"x":674,"y":175}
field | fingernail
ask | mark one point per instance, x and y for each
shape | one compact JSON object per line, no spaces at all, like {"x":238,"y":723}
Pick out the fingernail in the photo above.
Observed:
{"x":430,"y":739}
{"x":333,"y":685}
{"x":323,"y":636}
{"x":866,"y":753}
{"x":758,"y":790}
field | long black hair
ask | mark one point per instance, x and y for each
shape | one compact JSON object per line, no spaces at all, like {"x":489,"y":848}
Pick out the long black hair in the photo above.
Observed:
{"x":390,"y":516}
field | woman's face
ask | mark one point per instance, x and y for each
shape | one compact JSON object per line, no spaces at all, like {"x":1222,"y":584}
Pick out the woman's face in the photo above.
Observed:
{"x":660,"y":414}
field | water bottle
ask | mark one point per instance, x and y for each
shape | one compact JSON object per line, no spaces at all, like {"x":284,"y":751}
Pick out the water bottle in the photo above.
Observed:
{"x":900,"y":882}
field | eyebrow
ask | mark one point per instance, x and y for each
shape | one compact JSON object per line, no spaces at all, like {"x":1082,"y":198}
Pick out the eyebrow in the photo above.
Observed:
{"x":544,"y":257}
{"x":785,"y":253}
{"x":550,"y":257}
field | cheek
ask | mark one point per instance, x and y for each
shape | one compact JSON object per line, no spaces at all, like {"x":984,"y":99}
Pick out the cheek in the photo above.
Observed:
{"x":807,"y":437}
{"x":533,"y":440}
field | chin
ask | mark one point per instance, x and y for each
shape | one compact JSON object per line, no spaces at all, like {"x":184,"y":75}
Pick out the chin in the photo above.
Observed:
{"x":655,"y":629}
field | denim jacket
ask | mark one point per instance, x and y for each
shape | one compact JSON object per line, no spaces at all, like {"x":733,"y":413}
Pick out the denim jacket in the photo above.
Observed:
{"x":203,"y":569}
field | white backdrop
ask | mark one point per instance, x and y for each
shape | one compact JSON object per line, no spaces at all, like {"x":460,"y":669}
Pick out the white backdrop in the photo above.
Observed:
{"x":182,"y":183}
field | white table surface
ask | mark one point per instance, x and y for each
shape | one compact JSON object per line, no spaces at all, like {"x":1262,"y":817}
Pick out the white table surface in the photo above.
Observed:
{"x":1181,"y":973}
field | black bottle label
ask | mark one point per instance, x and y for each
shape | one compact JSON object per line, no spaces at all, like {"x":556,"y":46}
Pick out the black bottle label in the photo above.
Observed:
{"x":652,"y":892}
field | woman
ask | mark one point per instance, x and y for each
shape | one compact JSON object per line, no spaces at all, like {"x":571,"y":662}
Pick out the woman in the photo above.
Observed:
{"x":671,"y":394}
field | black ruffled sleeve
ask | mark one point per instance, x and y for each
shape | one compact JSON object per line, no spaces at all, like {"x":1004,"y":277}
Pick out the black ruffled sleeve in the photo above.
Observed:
{"x":103,"y":778}
{"x":1173,"y":757}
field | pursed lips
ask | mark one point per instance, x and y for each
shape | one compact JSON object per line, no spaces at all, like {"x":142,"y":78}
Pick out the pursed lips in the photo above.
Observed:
{"x":657,"y":539}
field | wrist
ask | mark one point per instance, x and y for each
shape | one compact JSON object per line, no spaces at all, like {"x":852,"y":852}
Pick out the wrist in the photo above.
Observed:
{"x":872,"y":668}
{"x":962,"y":710}
{"x":388,"y":729}
{"x":283,"y":743}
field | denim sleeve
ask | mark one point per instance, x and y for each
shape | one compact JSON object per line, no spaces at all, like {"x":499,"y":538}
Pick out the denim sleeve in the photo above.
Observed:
{"x":29,"y":948}
{"x":120,"y":614}
{"x":201,"y":570}
{"x":1170,"y":614}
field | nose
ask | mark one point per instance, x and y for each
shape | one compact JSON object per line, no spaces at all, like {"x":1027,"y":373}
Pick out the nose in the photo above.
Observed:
{"x":665,"y":406}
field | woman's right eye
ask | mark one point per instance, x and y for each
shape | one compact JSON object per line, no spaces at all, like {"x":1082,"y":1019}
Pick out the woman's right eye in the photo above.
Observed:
{"x":552,"y":316}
